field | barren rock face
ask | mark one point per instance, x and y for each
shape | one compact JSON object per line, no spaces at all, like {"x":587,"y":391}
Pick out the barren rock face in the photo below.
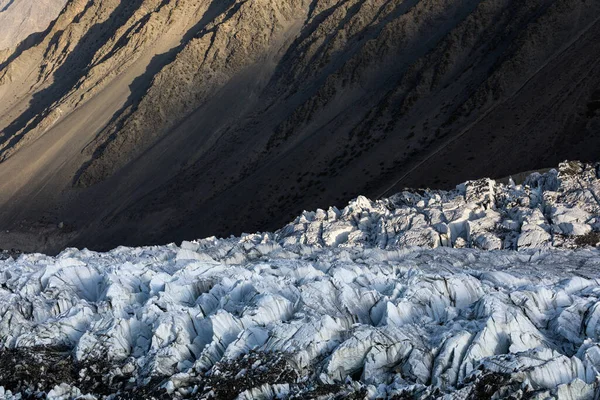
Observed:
{"x":21,"y":18}
{"x":150,"y":121}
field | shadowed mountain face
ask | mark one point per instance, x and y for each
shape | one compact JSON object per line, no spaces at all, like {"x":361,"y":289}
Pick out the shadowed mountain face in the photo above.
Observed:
{"x":157,"y":120}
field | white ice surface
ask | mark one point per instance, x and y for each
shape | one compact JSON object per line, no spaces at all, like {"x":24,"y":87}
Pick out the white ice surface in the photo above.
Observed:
{"x":396,"y":318}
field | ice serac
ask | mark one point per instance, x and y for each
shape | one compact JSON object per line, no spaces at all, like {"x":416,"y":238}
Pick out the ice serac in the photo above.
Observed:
{"x":147,"y":121}
{"x":559,"y":208}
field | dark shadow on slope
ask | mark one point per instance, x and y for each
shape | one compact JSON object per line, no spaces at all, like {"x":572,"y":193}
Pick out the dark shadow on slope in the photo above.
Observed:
{"x":140,"y":86}
{"x":36,"y":38}
{"x":10,"y":3}
{"x":298,"y":48}
{"x":132,"y":31}
{"x":355,"y":45}
{"x":494,"y":39}
{"x":75,"y":66}
{"x":30,"y":41}
{"x":286,"y":78}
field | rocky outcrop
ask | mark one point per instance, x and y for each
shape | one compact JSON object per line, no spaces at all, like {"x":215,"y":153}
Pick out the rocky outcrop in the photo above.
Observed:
{"x":158,"y":114}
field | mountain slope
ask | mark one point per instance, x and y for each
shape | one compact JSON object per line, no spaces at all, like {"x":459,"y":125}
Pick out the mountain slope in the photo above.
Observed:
{"x":151,"y":121}
{"x":21,"y":18}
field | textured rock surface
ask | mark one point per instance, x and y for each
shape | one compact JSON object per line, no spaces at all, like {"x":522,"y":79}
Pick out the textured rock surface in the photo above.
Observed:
{"x":149,"y":121}
{"x":21,"y":18}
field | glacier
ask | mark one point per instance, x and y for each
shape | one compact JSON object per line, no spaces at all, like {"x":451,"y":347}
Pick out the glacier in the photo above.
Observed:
{"x":488,"y":291}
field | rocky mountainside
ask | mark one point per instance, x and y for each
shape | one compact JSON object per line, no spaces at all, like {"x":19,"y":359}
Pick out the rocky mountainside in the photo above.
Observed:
{"x":156,"y":120}
{"x":20,"y":19}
